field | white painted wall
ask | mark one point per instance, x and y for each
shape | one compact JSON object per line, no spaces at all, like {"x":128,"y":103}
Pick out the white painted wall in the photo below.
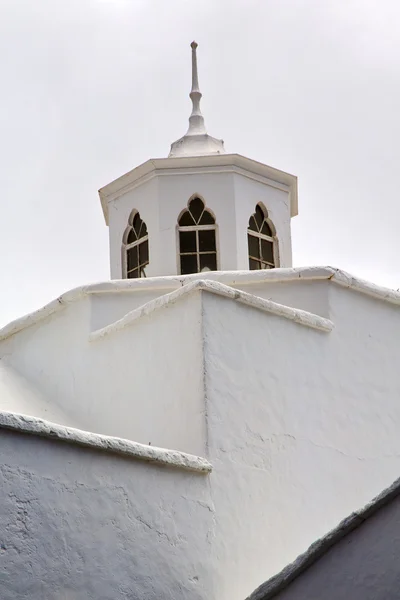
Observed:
{"x":232,"y":197}
{"x":77,"y":524}
{"x":301,"y":426}
{"x":144,"y":383}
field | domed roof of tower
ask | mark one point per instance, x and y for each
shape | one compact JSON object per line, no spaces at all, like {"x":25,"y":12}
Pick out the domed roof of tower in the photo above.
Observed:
{"x":196,"y":141}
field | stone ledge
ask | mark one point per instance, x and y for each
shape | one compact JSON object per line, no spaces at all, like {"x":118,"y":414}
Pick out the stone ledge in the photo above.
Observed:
{"x":152,"y":454}
{"x":301,"y":317}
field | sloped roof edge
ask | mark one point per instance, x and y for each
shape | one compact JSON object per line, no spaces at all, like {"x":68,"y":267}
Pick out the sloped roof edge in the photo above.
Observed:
{"x":42,"y":428}
{"x":279,"y":582}
{"x":297,"y":315}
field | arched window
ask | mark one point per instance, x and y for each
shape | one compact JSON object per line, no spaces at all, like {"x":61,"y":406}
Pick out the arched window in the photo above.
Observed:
{"x":260,"y":237}
{"x":197,"y":239}
{"x":135,"y":247}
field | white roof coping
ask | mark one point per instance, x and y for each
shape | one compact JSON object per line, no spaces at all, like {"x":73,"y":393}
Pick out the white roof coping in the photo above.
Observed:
{"x":227,"y":277}
{"x":297,"y":315}
{"x":216,"y":162}
{"x":40,"y":427}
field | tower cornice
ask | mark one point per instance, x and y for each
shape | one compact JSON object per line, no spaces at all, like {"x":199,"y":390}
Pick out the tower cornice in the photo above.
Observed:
{"x":235,"y":163}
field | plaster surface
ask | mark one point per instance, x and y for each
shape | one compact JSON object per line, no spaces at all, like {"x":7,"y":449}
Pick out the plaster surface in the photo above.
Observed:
{"x":86,"y":525}
{"x":302,"y":428}
{"x":298,"y":418}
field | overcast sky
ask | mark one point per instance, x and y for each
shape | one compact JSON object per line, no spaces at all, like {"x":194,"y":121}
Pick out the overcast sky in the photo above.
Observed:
{"x":92,"y":88}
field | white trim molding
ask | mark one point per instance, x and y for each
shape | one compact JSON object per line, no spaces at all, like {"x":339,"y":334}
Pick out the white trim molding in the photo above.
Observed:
{"x":221,"y":163}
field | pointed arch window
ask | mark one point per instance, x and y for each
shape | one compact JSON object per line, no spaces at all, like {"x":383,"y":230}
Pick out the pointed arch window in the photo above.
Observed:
{"x":261,"y":241}
{"x":197,"y":239}
{"x":135,"y":247}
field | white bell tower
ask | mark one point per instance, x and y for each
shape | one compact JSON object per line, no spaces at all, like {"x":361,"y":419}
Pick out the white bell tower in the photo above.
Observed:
{"x":200,"y":209}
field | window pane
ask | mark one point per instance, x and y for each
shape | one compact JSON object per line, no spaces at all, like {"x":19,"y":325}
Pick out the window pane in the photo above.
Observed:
{"x":266,"y":230}
{"x":209,"y":261}
{"x":186,"y":219}
{"x":267,"y":249}
{"x":259,"y":216}
{"x":207,"y":240}
{"x":144,"y":253}
{"x":207,"y":218}
{"x":188,"y":263}
{"x":254,"y":247}
{"x":252,"y":224}
{"x":187,"y":241}
{"x":133,"y":274}
{"x":254,"y":264}
{"x":143,"y":230}
{"x":196,"y":207}
{"x":132,"y":258}
{"x":137,"y":222}
{"x":131,"y":237}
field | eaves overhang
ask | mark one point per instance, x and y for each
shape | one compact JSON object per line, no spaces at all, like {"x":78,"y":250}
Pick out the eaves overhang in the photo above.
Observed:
{"x":225,"y":162}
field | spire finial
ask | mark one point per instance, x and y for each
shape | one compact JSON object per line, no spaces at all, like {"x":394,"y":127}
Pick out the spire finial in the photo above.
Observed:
{"x":196,"y":119}
{"x":196,"y":141}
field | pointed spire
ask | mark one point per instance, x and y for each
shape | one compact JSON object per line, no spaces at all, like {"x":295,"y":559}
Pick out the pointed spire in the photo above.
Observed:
{"x":196,"y":141}
{"x":196,"y":119}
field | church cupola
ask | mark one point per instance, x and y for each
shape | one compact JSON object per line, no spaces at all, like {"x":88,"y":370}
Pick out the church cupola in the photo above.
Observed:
{"x":199,"y":210}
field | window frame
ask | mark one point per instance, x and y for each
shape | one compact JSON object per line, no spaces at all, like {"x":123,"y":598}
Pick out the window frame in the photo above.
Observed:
{"x":196,"y":228}
{"x":125,"y":247}
{"x":262,"y":236}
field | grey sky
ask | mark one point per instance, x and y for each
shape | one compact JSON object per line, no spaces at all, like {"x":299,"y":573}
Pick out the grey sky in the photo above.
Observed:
{"x":92,"y":88}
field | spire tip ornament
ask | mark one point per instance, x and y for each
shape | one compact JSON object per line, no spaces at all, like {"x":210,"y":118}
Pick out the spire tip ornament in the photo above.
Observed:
{"x":196,"y":141}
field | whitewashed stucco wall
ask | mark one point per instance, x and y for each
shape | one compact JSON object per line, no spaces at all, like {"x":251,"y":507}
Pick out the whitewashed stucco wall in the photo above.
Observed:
{"x":78,"y":524}
{"x":144,"y":382}
{"x":302,"y":427}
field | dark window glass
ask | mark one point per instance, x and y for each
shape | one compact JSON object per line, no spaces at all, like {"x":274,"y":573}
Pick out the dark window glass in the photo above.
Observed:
{"x":207,"y":240}
{"x":252,"y":224}
{"x":144,"y":253}
{"x":267,"y":249}
{"x":132,"y":258}
{"x":266,"y":230}
{"x":131,"y":237}
{"x":187,"y":241}
{"x":143,"y":230}
{"x":207,"y":218}
{"x":196,"y":207}
{"x":133,"y":274}
{"x":254,"y":247}
{"x":186,"y":219}
{"x":188,"y":264}
{"x":209,"y":261}
{"x":253,"y":264}
{"x":137,"y":222}
{"x":259,"y":216}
